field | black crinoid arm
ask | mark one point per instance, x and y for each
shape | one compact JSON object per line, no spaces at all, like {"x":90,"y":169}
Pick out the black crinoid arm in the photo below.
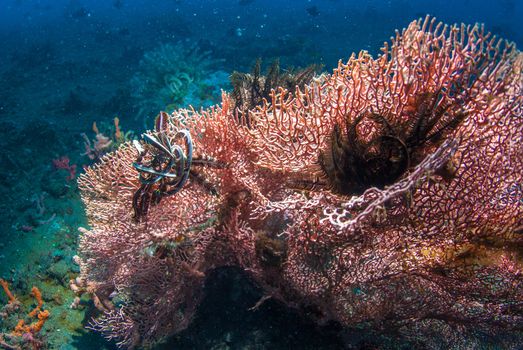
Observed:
{"x":375,"y":150}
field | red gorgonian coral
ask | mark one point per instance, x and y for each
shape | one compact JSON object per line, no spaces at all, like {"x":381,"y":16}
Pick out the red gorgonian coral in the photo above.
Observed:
{"x":387,"y":195}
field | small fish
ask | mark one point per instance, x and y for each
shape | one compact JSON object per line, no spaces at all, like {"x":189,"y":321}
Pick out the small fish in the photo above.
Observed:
{"x":82,"y":12}
{"x":312,"y":11}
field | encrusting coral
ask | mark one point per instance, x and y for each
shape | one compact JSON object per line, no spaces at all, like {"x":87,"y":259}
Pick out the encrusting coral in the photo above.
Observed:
{"x":386,"y":196}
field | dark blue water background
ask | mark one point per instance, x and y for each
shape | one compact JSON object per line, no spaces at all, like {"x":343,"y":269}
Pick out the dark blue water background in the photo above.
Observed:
{"x":334,"y":27}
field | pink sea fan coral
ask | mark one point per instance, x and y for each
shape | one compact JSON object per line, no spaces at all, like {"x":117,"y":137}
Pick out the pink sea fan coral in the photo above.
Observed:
{"x":435,"y":247}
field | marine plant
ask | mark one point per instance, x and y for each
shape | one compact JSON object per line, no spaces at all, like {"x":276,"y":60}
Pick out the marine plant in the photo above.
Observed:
{"x":428,"y":253}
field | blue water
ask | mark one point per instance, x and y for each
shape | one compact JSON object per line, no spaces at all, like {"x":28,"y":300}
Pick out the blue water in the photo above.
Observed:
{"x":333,"y":30}
{"x":65,"y":64}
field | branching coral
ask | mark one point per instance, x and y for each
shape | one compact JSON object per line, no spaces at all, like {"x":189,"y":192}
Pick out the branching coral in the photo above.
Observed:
{"x":24,"y":336}
{"x":10,"y":296}
{"x":431,"y":247}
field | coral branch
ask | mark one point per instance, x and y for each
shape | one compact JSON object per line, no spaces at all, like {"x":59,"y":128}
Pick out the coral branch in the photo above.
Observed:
{"x":39,"y":302}
{"x":11,"y":298}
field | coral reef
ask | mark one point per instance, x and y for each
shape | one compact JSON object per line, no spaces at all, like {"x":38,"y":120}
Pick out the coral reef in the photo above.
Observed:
{"x":419,"y":254}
